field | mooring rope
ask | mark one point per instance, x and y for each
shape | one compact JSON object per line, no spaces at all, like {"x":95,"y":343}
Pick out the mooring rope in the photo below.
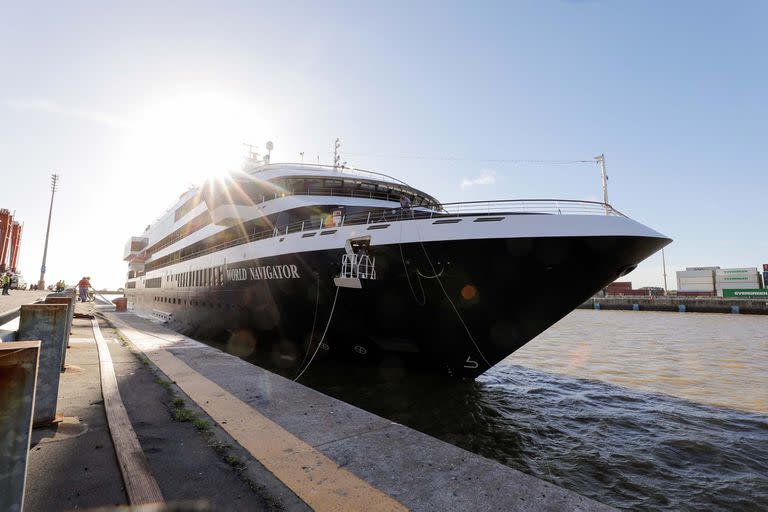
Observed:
{"x":320,"y":343}
{"x":455,"y":309}
{"x":423,"y":300}
{"x":314,"y":320}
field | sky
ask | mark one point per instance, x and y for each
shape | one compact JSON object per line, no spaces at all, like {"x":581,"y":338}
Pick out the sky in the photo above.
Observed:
{"x":131,"y":103}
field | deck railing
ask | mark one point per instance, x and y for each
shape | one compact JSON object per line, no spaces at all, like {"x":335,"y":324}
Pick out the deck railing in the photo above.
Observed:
{"x":378,"y":216}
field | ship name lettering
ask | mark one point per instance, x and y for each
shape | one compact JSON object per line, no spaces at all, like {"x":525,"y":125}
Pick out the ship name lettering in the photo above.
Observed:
{"x":264,"y":272}
{"x":237,"y":274}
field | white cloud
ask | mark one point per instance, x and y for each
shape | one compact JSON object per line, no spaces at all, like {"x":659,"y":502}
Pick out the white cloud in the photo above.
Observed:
{"x":51,"y":107}
{"x":486,"y":177}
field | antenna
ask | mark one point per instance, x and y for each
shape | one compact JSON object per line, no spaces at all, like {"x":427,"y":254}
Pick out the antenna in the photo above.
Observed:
{"x":336,"y":155}
{"x":601,"y":160}
{"x":252,"y":154}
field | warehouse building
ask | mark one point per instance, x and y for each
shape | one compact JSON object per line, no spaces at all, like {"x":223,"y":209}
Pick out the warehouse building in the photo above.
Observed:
{"x":10,"y":241}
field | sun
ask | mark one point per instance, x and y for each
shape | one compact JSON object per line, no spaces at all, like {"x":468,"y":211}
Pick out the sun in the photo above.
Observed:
{"x":192,"y":137}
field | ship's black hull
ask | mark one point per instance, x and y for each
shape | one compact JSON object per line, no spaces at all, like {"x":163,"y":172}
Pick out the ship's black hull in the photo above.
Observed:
{"x":453,"y":307}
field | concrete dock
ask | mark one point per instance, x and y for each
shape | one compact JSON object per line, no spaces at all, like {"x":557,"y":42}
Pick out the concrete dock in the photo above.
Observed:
{"x":679,"y":304}
{"x":216,"y":430}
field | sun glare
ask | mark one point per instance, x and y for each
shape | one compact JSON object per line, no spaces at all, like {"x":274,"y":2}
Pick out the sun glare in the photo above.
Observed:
{"x":193,"y":137}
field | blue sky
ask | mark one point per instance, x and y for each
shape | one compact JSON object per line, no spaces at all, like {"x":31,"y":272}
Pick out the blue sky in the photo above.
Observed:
{"x":132,"y":103}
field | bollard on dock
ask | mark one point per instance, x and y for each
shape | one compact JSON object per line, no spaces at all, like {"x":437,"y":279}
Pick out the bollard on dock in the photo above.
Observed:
{"x":18,"y":378}
{"x":69,"y":300}
{"x":47,"y":323}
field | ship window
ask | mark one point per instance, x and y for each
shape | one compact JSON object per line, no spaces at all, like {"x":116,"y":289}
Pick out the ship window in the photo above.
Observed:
{"x":313,"y":185}
{"x":333,"y":183}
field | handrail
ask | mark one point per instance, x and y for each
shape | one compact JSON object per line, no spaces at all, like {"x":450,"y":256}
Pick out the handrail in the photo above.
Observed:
{"x":380,"y":215}
{"x":325,"y":168}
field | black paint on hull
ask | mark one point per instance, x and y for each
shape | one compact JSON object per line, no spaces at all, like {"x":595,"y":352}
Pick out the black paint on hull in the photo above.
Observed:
{"x":454,"y":307}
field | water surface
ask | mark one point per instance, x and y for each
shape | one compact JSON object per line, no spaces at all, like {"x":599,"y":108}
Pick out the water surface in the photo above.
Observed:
{"x":639,"y":410}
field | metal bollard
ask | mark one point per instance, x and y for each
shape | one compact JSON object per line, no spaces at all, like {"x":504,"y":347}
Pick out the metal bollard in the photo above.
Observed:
{"x":18,"y":378}
{"x":70,"y":303}
{"x":47,"y":323}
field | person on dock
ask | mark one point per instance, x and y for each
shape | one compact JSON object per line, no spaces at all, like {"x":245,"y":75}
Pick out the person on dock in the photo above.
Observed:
{"x":90,"y":289}
{"x":6,"y":283}
{"x":83,"y":286}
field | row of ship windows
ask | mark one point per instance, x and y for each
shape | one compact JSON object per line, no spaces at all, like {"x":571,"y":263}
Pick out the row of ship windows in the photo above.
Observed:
{"x":213,"y":276}
{"x":184,"y":302}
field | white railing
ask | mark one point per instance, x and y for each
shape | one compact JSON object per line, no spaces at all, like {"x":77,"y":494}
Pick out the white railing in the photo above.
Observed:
{"x":446,"y":211}
{"x":359,"y":266}
{"x":351,"y":171}
{"x":543,"y":206}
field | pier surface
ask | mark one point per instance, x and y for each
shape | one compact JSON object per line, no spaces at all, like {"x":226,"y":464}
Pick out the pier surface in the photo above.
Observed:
{"x":19,"y":298}
{"x":329,"y":454}
{"x":73,"y":465}
{"x":210,"y":428}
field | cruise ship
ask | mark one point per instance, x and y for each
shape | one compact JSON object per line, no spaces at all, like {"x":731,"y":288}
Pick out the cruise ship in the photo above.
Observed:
{"x":290,"y":264}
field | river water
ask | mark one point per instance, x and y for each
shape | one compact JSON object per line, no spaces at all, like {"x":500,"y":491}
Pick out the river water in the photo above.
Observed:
{"x":639,"y":410}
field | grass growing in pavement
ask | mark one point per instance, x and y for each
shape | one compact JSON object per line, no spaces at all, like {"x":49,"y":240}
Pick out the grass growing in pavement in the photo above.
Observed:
{"x":235,"y":462}
{"x":201,"y":424}
{"x":181,"y":413}
{"x":164,"y":383}
{"x":184,"y":414}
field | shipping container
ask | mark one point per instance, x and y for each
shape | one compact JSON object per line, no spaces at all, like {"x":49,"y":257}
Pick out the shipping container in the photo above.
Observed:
{"x":696,"y":286}
{"x":695,"y":273}
{"x":736,"y":286}
{"x":701,"y":268}
{"x":735,"y":271}
{"x":765,"y":267}
{"x":695,"y":280}
{"x":695,"y":294}
{"x":746,"y":294}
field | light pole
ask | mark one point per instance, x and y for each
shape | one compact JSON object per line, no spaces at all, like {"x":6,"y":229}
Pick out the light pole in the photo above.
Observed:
{"x":664,"y":267}
{"x":601,"y":160}
{"x":41,"y":282}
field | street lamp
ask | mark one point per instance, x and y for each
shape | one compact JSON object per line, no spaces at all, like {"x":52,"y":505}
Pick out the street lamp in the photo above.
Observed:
{"x":41,"y":282}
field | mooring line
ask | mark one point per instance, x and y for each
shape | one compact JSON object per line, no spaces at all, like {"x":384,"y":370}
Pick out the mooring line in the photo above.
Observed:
{"x":140,"y":484}
{"x":320,"y":343}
